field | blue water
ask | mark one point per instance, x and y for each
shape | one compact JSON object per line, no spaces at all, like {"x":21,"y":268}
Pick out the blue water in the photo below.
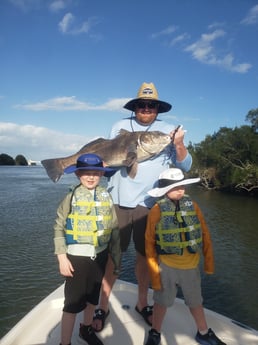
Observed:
{"x":29,"y":269}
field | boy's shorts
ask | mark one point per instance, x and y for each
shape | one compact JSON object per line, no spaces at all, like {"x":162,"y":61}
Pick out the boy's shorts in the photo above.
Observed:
{"x":85,"y":284}
{"x":132,"y":221}
{"x":171,"y":278}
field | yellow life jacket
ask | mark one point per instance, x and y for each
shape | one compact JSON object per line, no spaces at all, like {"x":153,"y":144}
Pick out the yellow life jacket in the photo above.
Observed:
{"x":89,"y":220}
{"x":178,"y":228}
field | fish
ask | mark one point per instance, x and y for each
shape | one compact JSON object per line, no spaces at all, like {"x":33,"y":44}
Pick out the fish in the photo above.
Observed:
{"x":127,"y":149}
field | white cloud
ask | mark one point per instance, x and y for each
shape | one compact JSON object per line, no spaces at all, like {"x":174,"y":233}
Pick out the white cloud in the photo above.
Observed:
{"x":66,"y":22}
{"x":68,"y":25}
{"x":169,"y":30}
{"x":83,"y":28}
{"x":216,"y":25}
{"x":204,"y":51}
{"x":25,"y":5}
{"x":58,"y":5}
{"x":38,"y":143}
{"x":228,"y":63}
{"x":251,"y":17}
{"x":203,"y":48}
{"x":179,"y":38}
{"x":57,"y":104}
{"x":72,"y":103}
{"x":115,"y":104}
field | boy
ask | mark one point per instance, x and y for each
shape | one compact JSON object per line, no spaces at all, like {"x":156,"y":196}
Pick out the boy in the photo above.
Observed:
{"x":85,"y":230}
{"x":175,"y":235}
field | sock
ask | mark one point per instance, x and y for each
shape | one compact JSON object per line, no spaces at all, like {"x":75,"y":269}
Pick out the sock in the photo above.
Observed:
{"x":203,"y":332}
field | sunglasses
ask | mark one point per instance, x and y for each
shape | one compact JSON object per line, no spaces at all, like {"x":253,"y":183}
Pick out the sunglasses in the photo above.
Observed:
{"x":143,"y":105}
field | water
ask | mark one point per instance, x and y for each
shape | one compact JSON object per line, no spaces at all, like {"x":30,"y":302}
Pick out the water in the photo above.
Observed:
{"x":29,"y":269}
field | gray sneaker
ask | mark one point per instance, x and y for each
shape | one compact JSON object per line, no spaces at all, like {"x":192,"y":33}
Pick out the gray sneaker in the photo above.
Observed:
{"x":209,"y":338}
{"x":153,"y":338}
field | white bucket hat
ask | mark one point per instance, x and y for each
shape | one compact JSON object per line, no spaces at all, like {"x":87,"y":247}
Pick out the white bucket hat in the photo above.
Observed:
{"x":169,"y":179}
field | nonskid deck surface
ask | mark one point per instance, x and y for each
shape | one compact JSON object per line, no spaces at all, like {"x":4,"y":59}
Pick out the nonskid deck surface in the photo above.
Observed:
{"x":124,"y":326}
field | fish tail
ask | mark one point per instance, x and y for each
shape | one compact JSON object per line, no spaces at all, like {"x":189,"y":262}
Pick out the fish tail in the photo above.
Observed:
{"x":53,"y":168}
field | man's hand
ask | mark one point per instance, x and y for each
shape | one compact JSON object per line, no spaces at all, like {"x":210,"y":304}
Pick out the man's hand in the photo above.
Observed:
{"x":177,"y":138}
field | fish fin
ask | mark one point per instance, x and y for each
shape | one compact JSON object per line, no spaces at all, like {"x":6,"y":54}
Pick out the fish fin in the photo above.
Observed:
{"x":131,"y":158}
{"x":123,"y":131}
{"x":132,"y":170}
{"x":53,"y":168}
{"x":91,"y":145}
{"x":131,"y":164}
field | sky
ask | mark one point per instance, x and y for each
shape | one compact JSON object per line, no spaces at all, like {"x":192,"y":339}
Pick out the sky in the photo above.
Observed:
{"x":67,"y":67}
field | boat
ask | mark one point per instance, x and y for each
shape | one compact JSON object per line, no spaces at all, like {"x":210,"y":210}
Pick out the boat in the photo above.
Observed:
{"x":124,"y":326}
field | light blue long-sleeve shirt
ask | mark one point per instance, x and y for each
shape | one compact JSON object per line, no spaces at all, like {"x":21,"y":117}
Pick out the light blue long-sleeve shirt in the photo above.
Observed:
{"x":128,"y":192}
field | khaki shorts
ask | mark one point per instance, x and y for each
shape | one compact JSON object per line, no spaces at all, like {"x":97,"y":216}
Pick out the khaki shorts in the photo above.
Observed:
{"x":132,"y":223}
{"x":189,"y":280}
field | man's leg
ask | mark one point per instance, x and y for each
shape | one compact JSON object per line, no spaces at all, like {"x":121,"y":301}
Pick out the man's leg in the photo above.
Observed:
{"x":159,"y":312}
{"x":143,"y":279}
{"x":141,"y":269}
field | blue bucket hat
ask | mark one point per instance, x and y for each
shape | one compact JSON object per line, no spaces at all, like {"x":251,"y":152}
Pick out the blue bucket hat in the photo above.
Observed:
{"x":89,"y":161}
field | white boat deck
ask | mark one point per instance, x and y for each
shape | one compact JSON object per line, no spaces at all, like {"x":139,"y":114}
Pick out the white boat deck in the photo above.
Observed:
{"x":124,"y":326}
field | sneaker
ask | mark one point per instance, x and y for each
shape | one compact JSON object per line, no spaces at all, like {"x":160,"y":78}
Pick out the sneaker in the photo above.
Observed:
{"x":87,"y":333}
{"x":209,"y":338}
{"x":153,"y":338}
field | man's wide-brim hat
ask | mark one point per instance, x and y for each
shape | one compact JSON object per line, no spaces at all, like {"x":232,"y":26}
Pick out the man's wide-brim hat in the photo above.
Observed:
{"x":149,"y":92}
{"x":170,"y":179}
{"x":89,"y":161}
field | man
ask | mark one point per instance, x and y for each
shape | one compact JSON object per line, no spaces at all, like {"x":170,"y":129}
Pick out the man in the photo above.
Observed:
{"x":130,"y":195}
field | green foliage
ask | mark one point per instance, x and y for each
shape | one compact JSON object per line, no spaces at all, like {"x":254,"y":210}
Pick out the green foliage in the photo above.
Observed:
{"x":6,"y":159}
{"x":21,"y":160}
{"x":228,"y":159}
{"x":252,"y":117}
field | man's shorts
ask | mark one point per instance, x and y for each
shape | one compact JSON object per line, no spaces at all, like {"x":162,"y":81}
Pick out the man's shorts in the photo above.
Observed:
{"x":132,"y":222}
{"x":85,"y":284}
{"x":171,"y":278}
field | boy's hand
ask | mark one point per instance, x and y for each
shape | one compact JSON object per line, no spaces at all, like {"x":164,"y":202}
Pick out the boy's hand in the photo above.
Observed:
{"x":65,"y":266}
